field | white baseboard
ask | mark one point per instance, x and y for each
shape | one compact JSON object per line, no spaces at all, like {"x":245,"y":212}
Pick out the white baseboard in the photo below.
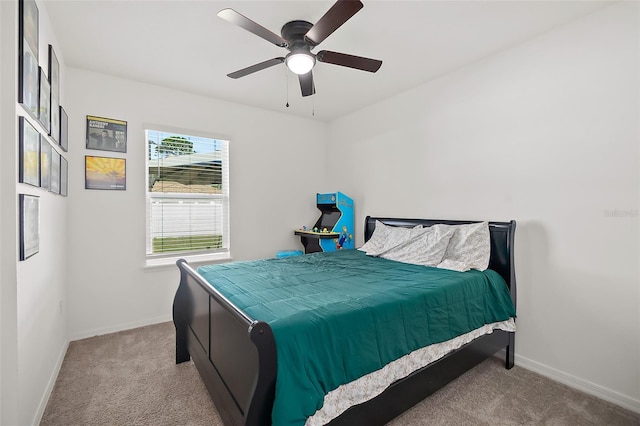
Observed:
{"x":579,"y":384}
{"x":118,"y":327}
{"x":52,"y":382}
{"x":82,"y":335}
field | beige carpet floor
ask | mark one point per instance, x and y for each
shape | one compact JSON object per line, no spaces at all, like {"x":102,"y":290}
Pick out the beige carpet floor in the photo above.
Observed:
{"x":130,"y":378}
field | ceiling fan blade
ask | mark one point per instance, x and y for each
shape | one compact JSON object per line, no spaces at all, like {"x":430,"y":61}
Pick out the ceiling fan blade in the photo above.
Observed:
{"x":337,"y":15}
{"x":351,"y":61}
{"x":306,"y":84}
{"x":242,"y":21}
{"x":256,"y":67}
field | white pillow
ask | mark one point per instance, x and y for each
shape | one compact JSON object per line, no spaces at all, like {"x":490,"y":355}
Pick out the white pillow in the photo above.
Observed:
{"x":426,"y":246}
{"x":470,"y":245}
{"x":385,"y":237}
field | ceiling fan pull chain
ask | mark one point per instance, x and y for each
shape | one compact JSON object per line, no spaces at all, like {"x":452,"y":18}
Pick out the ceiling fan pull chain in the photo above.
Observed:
{"x":286,"y":75}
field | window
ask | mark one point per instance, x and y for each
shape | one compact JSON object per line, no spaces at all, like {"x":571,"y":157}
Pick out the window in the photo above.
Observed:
{"x":187,"y":197}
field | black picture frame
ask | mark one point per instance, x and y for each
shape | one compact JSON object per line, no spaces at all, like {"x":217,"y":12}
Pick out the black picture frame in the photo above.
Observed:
{"x":64,"y":177}
{"x":29,"y":24}
{"x":64,"y":130}
{"x":54,"y":73}
{"x":44,"y":112}
{"x":54,"y":131}
{"x":29,"y":225}
{"x":106,"y":134}
{"x":55,"y":172}
{"x":45,"y":164}
{"x":54,"y":82}
{"x":28,"y":71}
{"x":29,"y":167}
{"x":105,"y":173}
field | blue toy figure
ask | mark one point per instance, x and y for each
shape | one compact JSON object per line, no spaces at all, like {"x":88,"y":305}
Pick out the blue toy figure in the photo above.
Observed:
{"x":345,"y":237}
{"x":334,"y":229}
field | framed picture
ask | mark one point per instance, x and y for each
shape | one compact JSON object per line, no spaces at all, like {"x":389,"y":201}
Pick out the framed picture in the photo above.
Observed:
{"x":105,"y":173}
{"x":29,"y":168}
{"x":45,"y":102}
{"x":29,"y":32}
{"x":54,"y":131}
{"x":54,"y":82}
{"x":28,"y":84}
{"x":55,"y":172}
{"x":29,"y":226}
{"x":54,"y":73}
{"x":45,"y":164}
{"x":106,"y":134}
{"x":64,"y":130}
{"x":64,"y":176}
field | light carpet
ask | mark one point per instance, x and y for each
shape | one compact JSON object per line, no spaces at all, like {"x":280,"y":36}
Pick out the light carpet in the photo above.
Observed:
{"x":130,"y":378}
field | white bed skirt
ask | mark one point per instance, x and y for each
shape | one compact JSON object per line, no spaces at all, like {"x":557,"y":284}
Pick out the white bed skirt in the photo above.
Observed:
{"x":367,"y":387}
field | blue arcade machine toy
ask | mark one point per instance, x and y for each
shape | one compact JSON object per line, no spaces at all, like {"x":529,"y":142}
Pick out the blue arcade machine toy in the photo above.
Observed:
{"x":334,"y":229}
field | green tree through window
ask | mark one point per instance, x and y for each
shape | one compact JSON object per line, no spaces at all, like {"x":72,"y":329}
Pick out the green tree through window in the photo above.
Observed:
{"x":174,"y":145}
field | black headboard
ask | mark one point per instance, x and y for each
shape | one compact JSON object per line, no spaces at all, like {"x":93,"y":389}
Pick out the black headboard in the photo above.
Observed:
{"x":502,"y":239}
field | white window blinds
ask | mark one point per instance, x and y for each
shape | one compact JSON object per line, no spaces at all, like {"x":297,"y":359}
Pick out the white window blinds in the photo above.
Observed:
{"x":187,"y":194}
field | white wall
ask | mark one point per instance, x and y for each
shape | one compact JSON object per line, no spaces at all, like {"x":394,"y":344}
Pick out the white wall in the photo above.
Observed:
{"x":42,"y":325}
{"x":277,"y":165}
{"x":547,"y":134}
{"x":34,"y":335}
{"x":8,"y":227}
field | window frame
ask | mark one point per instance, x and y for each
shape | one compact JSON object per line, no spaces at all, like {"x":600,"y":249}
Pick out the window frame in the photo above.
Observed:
{"x":195,"y":256}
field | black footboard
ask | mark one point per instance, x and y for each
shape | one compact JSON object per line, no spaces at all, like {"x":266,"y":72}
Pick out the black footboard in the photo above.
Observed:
{"x":234,"y":354}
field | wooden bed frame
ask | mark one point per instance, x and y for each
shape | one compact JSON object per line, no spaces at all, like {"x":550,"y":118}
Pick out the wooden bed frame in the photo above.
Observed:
{"x":236,"y":355}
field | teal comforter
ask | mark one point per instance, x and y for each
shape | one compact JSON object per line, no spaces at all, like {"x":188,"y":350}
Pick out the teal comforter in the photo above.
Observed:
{"x":338,"y":316}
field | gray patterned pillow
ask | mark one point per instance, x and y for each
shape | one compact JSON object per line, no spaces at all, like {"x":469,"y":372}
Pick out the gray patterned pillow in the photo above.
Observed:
{"x":385,"y":237}
{"x":425,"y":247}
{"x":377,"y":239}
{"x":470,"y":245}
{"x":452,"y":265}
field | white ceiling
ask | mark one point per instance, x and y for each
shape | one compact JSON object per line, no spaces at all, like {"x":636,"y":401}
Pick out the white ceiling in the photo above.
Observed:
{"x":182,"y":44}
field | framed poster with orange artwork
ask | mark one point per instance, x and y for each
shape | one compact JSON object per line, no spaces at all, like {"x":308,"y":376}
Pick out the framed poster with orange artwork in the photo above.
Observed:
{"x":105,"y":173}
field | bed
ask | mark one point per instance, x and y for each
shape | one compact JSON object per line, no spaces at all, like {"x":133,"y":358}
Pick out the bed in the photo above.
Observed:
{"x":237,"y":356}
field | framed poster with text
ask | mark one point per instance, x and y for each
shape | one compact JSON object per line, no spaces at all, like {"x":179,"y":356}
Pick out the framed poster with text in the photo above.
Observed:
{"x":106,"y":134}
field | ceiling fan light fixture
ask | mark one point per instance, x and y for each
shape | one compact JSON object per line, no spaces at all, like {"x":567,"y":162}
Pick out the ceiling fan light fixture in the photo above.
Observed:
{"x":300,"y":62}
{"x":300,"y":37}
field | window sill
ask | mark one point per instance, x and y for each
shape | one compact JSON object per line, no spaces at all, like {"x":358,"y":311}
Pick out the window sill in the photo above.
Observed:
{"x":160,"y":262}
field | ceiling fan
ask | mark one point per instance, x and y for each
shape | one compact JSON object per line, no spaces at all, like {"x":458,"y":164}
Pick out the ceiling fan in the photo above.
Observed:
{"x":300,"y":38}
